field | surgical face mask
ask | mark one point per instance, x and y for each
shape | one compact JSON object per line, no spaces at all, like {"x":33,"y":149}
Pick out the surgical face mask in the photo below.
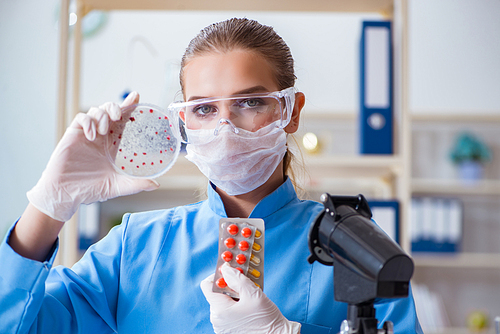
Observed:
{"x":237,"y":141}
{"x":237,"y":162}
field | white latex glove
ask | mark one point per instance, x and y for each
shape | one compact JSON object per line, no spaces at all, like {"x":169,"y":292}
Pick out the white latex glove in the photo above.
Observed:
{"x":254,"y":313}
{"x":79,"y":171}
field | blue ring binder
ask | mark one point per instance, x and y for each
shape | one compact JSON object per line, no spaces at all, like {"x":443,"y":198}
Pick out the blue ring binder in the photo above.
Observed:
{"x":376,"y":88}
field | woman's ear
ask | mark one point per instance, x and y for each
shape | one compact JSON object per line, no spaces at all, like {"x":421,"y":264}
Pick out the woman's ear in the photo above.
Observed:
{"x":300,"y":101}
{"x":182,"y":115}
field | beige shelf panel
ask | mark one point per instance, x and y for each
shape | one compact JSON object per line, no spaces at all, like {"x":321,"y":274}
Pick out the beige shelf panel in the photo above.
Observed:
{"x":381,"y":6}
{"x":376,"y":171}
{"x":184,"y":175}
{"x":360,"y":166}
{"x":458,"y":260}
{"x":455,"y":187}
{"x":469,"y":117}
{"x":460,"y":330}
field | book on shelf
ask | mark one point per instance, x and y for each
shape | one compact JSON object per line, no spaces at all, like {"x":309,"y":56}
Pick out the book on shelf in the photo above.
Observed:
{"x":376,"y":88}
{"x":386,"y":214}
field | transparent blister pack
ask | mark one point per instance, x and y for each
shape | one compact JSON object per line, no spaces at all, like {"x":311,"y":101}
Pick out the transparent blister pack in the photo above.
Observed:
{"x":145,"y":143}
{"x":241,"y":244}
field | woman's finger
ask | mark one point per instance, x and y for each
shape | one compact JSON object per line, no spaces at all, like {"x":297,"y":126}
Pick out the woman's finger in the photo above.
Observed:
{"x":101,"y":119}
{"x":87,"y":124}
{"x":112,"y":109}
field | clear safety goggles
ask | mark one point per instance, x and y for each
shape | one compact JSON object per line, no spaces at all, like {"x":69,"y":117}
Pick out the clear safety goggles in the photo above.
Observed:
{"x":249,"y":112}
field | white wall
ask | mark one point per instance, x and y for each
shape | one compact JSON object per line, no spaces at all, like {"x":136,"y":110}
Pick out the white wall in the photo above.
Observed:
{"x":455,"y":56}
{"x":28,"y":72}
{"x":324,"y":47}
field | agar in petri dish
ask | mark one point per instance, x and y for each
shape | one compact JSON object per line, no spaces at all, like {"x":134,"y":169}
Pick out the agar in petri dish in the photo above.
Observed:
{"x":145,"y":143}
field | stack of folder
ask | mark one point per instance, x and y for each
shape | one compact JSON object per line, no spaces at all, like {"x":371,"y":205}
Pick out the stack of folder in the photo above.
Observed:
{"x":436,"y":224}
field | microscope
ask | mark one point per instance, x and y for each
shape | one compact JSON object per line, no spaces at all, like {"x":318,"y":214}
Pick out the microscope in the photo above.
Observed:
{"x":367,"y":263}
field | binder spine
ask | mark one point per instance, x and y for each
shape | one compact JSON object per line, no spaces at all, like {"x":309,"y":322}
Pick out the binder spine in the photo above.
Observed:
{"x":376,"y":88}
{"x":386,"y":215}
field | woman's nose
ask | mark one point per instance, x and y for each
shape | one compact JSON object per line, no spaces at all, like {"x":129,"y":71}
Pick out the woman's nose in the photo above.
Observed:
{"x":225,"y":122}
{"x":225,"y":111}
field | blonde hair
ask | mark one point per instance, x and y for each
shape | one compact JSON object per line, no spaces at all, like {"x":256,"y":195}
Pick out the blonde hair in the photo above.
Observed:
{"x":246,"y":34}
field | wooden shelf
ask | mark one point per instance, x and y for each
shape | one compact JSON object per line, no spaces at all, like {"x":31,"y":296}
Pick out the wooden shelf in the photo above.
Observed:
{"x":185,"y":175}
{"x":431,"y":117}
{"x":470,"y":117}
{"x":382,"y":6}
{"x":460,"y":330}
{"x":361,"y":166}
{"x":458,"y":260}
{"x":455,"y":187}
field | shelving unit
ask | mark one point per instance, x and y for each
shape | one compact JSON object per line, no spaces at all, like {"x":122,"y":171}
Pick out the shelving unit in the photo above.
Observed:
{"x":454,"y":276}
{"x":394,"y":170}
{"x":390,"y":175}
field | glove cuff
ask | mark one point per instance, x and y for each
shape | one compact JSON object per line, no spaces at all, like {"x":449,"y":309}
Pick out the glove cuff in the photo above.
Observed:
{"x":294,"y":327}
{"x":51,"y":202}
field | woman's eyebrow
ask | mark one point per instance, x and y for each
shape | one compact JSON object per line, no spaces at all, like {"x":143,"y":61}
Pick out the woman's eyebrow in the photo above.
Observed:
{"x":251,"y":90}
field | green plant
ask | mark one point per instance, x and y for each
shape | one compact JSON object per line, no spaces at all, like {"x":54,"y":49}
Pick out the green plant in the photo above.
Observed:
{"x":469,"y":148}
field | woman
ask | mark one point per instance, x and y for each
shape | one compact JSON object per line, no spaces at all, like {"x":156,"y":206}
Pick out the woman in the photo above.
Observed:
{"x":145,"y":275}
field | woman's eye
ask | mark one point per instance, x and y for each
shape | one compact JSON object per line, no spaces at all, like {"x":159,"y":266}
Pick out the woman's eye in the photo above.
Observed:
{"x":251,"y":103}
{"x":203,"y":109}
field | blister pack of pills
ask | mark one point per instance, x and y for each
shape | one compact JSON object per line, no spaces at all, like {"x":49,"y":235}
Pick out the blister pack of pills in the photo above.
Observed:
{"x":241,"y":244}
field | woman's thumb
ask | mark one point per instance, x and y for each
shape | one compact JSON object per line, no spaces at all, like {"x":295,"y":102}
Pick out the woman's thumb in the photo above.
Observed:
{"x":131,"y":98}
{"x":134,"y":186}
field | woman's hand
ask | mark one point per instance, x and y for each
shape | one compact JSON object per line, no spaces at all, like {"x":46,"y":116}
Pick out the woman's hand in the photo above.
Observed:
{"x":79,"y":170}
{"x":254,"y":313}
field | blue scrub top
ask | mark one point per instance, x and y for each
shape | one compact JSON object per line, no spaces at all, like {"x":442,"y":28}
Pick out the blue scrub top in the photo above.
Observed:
{"x":144,"y":276}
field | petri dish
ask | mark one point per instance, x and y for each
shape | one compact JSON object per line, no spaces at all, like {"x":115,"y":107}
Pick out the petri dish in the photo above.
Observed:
{"x":145,"y":142}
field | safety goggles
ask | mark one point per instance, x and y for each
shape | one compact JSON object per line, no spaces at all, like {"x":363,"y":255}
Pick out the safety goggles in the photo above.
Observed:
{"x":249,"y":112}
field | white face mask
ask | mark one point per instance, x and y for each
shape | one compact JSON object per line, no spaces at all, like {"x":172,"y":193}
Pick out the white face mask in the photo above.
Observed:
{"x":237,"y":163}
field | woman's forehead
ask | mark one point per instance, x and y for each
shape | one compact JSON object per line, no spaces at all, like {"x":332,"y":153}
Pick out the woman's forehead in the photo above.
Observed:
{"x":228,"y":73}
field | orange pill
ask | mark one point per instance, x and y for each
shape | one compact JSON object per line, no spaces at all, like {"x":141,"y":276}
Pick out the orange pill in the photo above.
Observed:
{"x":240,"y":270}
{"x":257,"y":234}
{"x":229,"y":242}
{"x":254,"y":272}
{"x":240,"y":258}
{"x":232,"y":229}
{"x":227,"y":256}
{"x":221,"y":283}
{"x":246,"y":232}
{"x":243,"y":245}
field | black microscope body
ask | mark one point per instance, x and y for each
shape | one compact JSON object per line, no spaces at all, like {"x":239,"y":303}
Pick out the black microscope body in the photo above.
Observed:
{"x":367,"y":263}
